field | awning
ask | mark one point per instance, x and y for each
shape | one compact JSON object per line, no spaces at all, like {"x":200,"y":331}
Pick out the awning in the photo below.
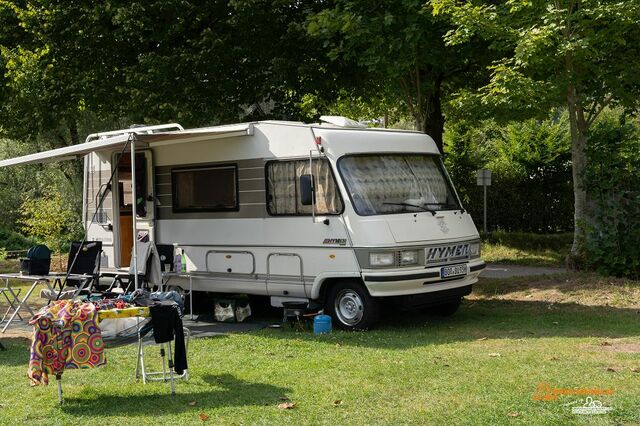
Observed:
{"x":142,"y":140}
{"x":68,"y":152}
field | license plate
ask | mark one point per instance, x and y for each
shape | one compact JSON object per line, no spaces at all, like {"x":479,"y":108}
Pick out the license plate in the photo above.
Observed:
{"x":453,"y":271}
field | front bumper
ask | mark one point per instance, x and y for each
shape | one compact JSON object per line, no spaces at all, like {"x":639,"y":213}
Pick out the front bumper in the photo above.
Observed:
{"x":417,"y":281}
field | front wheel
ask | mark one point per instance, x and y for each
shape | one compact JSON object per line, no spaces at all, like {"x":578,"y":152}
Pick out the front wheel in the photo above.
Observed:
{"x":351,"y":307}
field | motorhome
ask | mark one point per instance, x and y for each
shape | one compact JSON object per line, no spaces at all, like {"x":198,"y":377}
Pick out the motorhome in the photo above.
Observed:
{"x":336,"y":214}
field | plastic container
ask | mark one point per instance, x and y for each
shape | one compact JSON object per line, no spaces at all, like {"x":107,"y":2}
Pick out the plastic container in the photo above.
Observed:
{"x":177,"y":260}
{"x":322,"y":324}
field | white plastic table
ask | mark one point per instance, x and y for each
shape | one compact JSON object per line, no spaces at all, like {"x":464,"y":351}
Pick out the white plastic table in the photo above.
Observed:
{"x":35,"y":279}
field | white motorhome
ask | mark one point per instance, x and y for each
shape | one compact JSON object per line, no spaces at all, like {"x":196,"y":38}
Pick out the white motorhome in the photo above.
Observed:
{"x":336,"y":214}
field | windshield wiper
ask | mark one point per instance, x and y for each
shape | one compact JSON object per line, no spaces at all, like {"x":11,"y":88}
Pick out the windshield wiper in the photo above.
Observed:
{"x":462,"y":210}
{"x":423,"y":208}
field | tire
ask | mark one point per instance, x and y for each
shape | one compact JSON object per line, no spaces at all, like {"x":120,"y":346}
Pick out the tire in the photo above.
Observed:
{"x":351,"y":307}
{"x":446,"y":309}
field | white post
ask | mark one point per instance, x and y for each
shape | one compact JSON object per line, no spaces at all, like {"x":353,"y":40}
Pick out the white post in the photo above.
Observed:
{"x":134,"y":212}
{"x":484,"y":222}
{"x":59,"y":383}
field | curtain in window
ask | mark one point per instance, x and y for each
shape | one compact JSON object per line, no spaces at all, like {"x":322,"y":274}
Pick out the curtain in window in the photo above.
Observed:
{"x":327,"y":197}
{"x":375,"y":180}
{"x":282,"y":187}
{"x":284,"y":191}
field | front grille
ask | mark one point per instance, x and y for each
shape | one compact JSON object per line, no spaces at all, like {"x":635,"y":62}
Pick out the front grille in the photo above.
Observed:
{"x":446,"y":253}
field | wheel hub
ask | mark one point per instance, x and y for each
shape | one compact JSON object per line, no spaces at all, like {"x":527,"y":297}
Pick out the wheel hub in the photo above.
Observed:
{"x":349,"y":307}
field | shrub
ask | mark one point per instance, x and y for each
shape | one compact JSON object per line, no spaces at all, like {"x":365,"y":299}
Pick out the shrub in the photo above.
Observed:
{"x":613,"y":188}
{"x":531,"y":181}
{"x":51,"y":219}
{"x":11,"y":240}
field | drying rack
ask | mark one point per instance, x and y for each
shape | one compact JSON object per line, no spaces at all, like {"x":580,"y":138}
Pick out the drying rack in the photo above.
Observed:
{"x":140,"y":313}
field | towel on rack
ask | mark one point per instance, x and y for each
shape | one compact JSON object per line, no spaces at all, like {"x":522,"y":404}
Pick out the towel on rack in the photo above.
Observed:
{"x":148,"y":263}
{"x":65,"y":336}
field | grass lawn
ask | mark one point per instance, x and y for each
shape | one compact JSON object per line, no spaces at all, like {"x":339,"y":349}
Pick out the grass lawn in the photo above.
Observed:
{"x":526,"y":249}
{"x":481,"y":366}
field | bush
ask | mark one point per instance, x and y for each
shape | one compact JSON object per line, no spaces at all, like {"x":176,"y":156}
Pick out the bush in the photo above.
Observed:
{"x":51,"y":219}
{"x":613,"y":189}
{"x":11,"y":240}
{"x":531,"y":181}
{"x":527,"y":241}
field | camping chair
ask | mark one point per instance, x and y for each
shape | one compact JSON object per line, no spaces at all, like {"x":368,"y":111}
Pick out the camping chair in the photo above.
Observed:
{"x":10,"y":300}
{"x":84,"y":259}
{"x":149,"y":270}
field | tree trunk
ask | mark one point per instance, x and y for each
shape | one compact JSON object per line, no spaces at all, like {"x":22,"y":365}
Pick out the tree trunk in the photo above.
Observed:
{"x":73,"y":131}
{"x":433,"y":121}
{"x":427,"y":112}
{"x":579,"y":136}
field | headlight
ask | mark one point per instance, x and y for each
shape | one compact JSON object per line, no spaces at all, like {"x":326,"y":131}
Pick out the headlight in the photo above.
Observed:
{"x":474,"y":250}
{"x":382,"y":259}
{"x":409,"y":257}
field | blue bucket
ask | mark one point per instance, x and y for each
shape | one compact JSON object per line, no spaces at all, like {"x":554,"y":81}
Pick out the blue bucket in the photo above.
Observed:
{"x":322,"y":324}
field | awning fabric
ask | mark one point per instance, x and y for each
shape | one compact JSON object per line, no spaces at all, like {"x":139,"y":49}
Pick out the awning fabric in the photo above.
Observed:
{"x":68,"y":152}
{"x":142,"y":140}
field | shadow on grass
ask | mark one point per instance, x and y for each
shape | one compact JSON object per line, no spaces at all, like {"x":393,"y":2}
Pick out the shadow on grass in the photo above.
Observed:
{"x":491,"y":319}
{"x":15,"y":353}
{"x":225,"y":390}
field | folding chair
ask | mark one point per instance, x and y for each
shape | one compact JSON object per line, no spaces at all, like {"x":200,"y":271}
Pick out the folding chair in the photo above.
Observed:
{"x":149,"y":270}
{"x":10,"y":300}
{"x":84,"y":259}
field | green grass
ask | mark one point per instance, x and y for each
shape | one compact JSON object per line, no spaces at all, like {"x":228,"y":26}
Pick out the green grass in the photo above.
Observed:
{"x":526,"y":249}
{"x":567,"y":330}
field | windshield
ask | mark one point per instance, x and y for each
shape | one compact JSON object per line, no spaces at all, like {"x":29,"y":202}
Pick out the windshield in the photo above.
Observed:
{"x":397,"y":183}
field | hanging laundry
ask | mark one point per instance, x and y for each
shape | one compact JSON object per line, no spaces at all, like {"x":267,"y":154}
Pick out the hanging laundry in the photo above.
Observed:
{"x":65,"y":336}
{"x":167,"y":324}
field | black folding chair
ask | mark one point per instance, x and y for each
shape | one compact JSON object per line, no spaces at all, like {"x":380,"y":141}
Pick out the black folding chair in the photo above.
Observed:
{"x":84,"y":259}
{"x":166,"y":256}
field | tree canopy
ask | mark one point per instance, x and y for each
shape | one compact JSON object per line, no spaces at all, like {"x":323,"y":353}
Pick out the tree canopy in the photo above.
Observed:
{"x":581,"y":54}
{"x":401,"y":51}
{"x":69,"y":68}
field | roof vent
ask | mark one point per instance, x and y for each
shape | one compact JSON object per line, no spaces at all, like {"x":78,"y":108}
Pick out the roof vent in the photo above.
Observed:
{"x":340,"y":121}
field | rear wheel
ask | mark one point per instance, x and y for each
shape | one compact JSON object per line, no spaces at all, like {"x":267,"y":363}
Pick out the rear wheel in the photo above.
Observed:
{"x":351,"y":307}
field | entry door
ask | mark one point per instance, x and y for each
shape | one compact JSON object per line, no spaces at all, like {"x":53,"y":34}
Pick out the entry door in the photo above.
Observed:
{"x":144,"y":205}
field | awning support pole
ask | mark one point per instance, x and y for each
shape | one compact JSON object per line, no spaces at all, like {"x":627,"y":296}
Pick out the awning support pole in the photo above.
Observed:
{"x":134,"y":209}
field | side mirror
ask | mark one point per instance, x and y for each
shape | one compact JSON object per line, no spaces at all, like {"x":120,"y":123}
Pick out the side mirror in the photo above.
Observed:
{"x":307,"y":195}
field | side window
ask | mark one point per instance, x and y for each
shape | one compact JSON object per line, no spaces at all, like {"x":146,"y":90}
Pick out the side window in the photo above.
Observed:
{"x":283,"y":188}
{"x":205,"y":189}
